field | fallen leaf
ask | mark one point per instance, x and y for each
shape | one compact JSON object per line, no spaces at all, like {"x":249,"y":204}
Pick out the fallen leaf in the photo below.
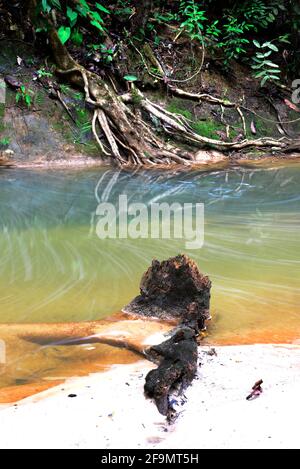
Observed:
{"x":291,"y":105}
{"x":253,"y":128}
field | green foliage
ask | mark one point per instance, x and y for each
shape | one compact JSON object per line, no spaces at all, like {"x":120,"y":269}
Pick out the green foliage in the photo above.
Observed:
{"x":166,"y":16}
{"x":64,"y":33}
{"x":123,"y":9}
{"x":65,"y":88}
{"x":42,"y":72}
{"x":4,"y":141}
{"x":130,"y":78}
{"x":260,"y":13}
{"x":82,"y":10}
{"x":228,"y":29}
{"x":136,"y":97}
{"x":264,"y":68}
{"x":77,"y":37}
{"x":24,"y":95}
{"x":83,"y":124}
{"x":101,"y":53}
{"x":47,"y":5}
{"x":234,"y":38}
{"x":72,"y":16}
{"x":39,"y":98}
{"x":231,"y":30}
{"x":194,"y":18}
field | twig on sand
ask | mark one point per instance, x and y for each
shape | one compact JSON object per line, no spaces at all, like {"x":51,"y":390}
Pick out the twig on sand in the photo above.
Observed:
{"x":256,"y":390}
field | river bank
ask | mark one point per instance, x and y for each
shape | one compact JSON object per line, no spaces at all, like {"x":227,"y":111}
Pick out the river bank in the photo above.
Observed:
{"x":109,"y":410}
{"x":206,"y":160}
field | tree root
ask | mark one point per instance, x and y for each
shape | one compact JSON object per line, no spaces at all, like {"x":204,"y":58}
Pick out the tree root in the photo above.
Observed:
{"x":129,"y":138}
{"x":183,"y":131}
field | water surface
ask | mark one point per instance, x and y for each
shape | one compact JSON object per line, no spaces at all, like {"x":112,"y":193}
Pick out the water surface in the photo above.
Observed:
{"x":53,"y":267}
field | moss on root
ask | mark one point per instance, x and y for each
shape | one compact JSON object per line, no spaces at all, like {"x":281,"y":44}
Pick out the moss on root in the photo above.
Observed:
{"x":177,"y":106}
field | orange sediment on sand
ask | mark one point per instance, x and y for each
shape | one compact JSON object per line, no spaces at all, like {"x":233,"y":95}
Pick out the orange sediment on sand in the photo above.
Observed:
{"x":76,"y":360}
{"x":13,"y":394}
{"x":38,"y":355}
{"x":256,"y":336}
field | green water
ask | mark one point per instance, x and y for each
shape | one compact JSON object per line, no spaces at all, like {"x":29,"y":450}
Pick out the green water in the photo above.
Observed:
{"x":53,"y":267}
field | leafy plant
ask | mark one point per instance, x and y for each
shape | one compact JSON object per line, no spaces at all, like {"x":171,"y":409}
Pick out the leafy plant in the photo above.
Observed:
{"x":24,"y":95}
{"x":83,"y":124}
{"x":166,"y":16}
{"x":194,"y":18}
{"x":232,"y":30}
{"x":39,"y":99}
{"x":82,"y":9}
{"x":259,"y":12}
{"x":234,"y":38}
{"x":42,"y":72}
{"x":47,"y":5}
{"x":264,"y":68}
{"x":77,"y":37}
{"x":4,"y":142}
{"x":101,"y":53}
{"x":123,"y":9}
{"x":65,"y":88}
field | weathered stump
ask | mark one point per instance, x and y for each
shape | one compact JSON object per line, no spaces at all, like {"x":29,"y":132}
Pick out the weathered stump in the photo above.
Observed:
{"x":174,"y":289}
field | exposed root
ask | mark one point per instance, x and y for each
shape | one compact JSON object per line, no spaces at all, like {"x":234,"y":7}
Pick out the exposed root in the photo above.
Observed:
{"x":109,"y":135}
{"x":223,"y":102}
{"x":130,"y":138}
{"x":98,"y":140}
{"x":243,"y":120}
{"x":187,"y":134}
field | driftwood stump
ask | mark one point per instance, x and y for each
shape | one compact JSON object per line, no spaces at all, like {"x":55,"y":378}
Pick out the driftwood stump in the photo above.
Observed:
{"x":177,"y":368}
{"x":173,"y":289}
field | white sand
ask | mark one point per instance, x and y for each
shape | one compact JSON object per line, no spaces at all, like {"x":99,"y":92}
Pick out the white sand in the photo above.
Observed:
{"x":110,"y":410}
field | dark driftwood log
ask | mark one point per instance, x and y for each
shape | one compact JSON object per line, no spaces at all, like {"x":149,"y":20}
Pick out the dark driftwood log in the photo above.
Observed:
{"x":177,"y":367}
{"x":173,"y":289}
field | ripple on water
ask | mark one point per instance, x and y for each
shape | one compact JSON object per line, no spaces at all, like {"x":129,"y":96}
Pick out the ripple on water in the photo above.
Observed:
{"x":54,"y":268}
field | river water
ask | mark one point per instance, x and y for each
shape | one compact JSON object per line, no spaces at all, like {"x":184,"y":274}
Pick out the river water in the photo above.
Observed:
{"x":54,"y":267}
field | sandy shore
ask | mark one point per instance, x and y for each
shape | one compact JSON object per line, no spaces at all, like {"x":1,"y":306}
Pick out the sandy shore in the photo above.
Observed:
{"x":110,"y":411}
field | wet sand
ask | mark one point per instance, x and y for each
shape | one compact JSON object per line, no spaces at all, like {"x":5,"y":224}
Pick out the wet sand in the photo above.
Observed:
{"x":109,"y":409}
